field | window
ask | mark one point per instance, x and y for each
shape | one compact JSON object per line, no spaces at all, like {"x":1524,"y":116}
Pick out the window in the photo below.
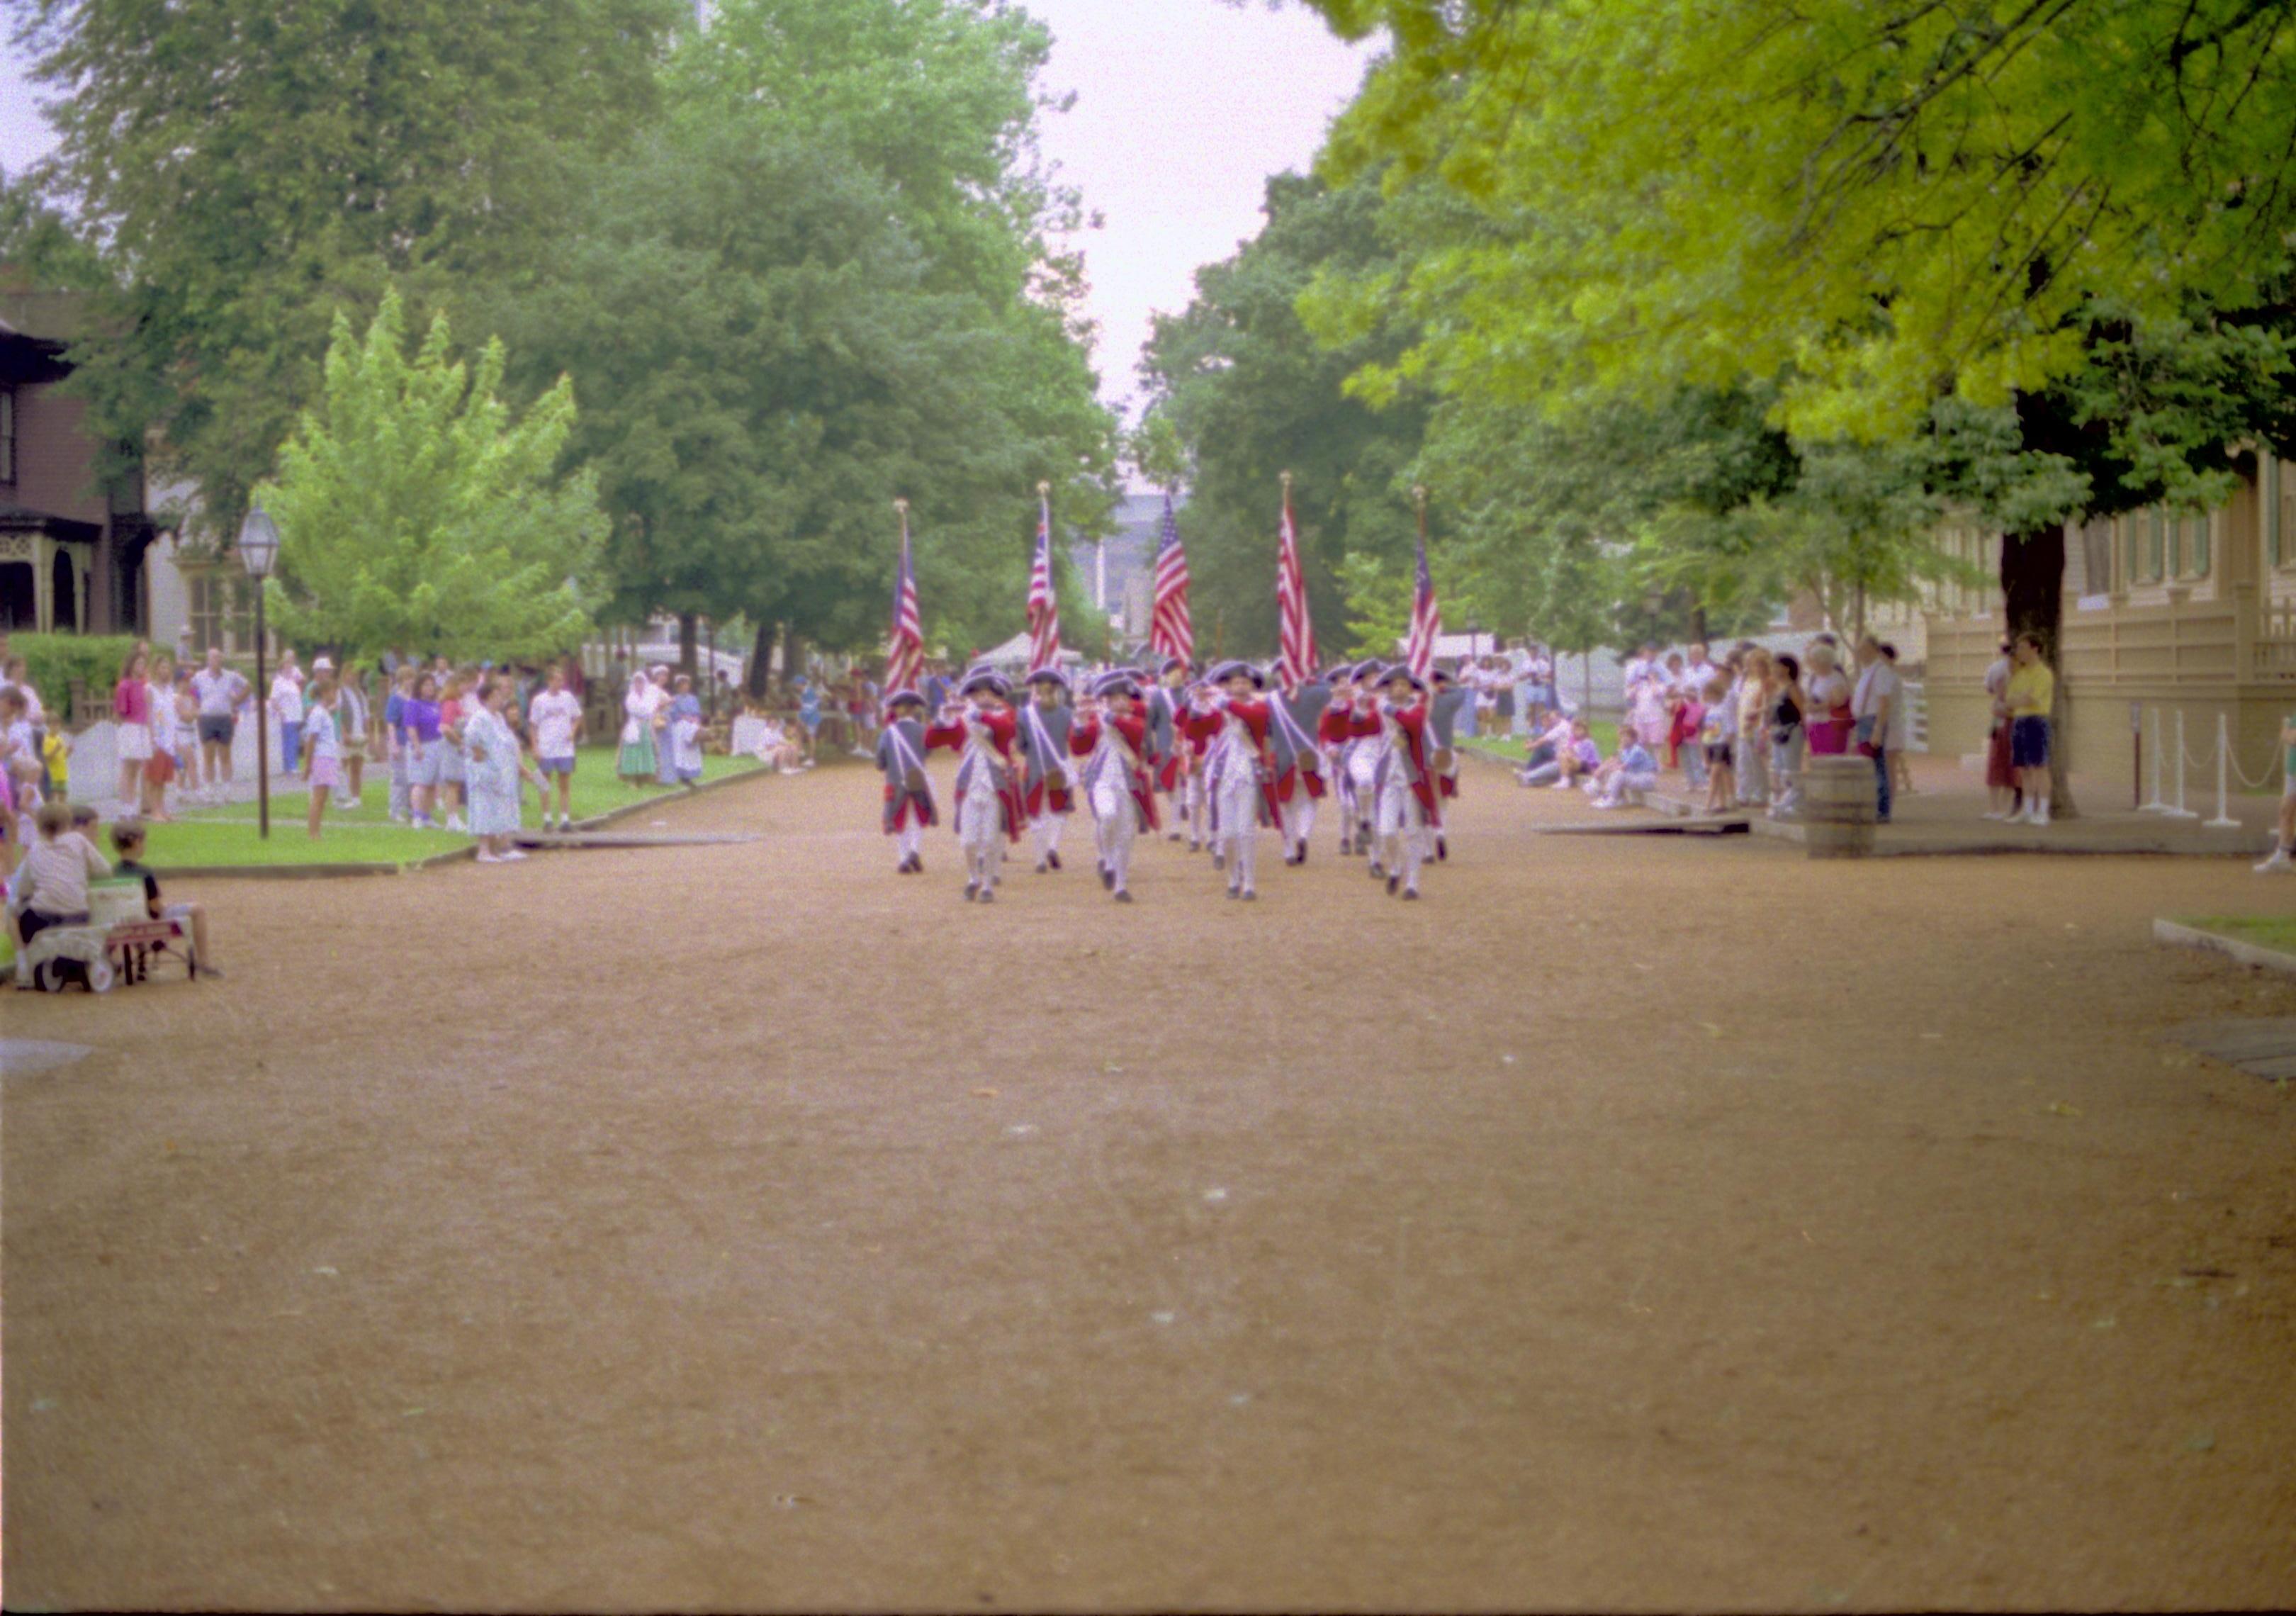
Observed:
{"x":2279,"y":512}
{"x":2196,"y":544}
{"x":2096,"y":558}
{"x":7,"y":434}
{"x":223,"y":612}
{"x":2144,"y":548}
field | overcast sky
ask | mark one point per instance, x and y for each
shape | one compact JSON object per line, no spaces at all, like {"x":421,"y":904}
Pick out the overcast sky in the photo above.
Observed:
{"x":1184,"y":108}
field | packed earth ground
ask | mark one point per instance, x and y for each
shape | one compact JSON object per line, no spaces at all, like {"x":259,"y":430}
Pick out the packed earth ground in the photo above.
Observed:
{"x":1639,"y":1221}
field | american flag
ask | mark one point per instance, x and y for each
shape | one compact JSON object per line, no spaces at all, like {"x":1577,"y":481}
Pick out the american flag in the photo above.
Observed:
{"x":905,"y":649}
{"x":1044,"y":606}
{"x":1426,"y":619}
{"x":1171,"y":632}
{"x":1296,"y":663}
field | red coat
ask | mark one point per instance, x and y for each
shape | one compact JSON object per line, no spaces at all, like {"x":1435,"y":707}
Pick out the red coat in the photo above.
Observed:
{"x":1413,"y":722}
{"x":1083,"y":740}
{"x":1002,"y":727}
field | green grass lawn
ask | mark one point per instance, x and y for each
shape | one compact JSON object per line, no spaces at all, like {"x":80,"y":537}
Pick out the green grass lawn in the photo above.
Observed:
{"x":226,"y":836}
{"x":1605,"y":733}
{"x":2264,"y":930}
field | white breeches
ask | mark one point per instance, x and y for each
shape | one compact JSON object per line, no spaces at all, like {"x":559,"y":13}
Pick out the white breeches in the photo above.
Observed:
{"x":910,"y":839}
{"x":1363,"y":767}
{"x":983,"y":834}
{"x":1402,"y":831}
{"x":1298,"y":818}
{"x":1115,"y":824}
{"x":1239,"y":824}
{"x":1045,"y":828}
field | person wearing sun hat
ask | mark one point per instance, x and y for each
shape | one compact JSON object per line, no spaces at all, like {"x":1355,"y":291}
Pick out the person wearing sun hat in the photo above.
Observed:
{"x":1043,"y":723}
{"x":980,"y":728}
{"x":1119,"y":787}
{"x":1239,"y":770}
{"x":909,"y":806}
{"x":1408,"y":808}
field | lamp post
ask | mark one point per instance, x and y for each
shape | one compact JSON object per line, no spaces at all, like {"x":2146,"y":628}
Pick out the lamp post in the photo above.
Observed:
{"x":258,"y":548}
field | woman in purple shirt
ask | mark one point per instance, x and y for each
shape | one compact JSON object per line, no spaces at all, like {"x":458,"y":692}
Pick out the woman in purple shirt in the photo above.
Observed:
{"x":420,"y":714}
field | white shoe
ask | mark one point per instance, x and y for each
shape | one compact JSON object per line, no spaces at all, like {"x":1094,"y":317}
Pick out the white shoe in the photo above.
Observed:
{"x":2041,"y":812}
{"x":454,"y":822}
{"x":1995,"y":815}
{"x":514,"y":856}
{"x":490,"y":858}
{"x":2277,"y":859}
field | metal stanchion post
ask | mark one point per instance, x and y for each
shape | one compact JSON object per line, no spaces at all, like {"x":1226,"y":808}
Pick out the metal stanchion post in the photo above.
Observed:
{"x":2224,"y":821}
{"x":2180,"y":811}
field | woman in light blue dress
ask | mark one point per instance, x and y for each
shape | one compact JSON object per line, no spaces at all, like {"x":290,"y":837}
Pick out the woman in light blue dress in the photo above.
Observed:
{"x":492,"y":764}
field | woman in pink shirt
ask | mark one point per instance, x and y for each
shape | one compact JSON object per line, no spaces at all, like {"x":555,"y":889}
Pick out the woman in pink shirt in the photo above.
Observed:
{"x":131,"y":711}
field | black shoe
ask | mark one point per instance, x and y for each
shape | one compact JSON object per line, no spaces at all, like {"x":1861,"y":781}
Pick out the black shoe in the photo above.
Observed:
{"x":1442,"y":849}
{"x":1231,"y":891}
{"x":971,"y":891}
{"x":1411,"y":895}
{"x":988,"y":896}
{"x":1122,"y":896}
{"x":1393,"y":882}
{"x":1250,"y":896}
{"x":1219,"y":861}
{"x":1303,"y":854}
{"x":1053,"y":858}
{"x":1108,"y":878}
{"x":1040,"y":866}
{"x":917,"y":865}
{"x":1376,"y":870}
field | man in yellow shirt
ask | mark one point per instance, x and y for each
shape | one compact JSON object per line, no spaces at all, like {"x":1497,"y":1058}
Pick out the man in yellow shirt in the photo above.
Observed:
{"x":2032,"y":687}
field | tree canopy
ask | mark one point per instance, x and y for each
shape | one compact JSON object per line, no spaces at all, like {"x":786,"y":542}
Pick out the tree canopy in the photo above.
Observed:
{"x":414,"y":510}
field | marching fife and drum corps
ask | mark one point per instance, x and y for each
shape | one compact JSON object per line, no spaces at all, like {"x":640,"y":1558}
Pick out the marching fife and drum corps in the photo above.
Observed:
{"x":1209,"y":756}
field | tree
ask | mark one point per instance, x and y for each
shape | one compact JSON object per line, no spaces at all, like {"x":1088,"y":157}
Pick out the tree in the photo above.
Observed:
{"x":789,"y":303}
{"x":414,"y":510}
{"x":1252,"y":394}
{"x":254,"y":170}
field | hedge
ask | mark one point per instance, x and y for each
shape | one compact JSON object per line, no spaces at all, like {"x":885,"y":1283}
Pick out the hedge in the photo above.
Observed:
{"x":51,"y":661}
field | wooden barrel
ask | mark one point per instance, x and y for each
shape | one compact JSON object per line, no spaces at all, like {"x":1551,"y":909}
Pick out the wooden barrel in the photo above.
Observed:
{"x":1840,"y":799}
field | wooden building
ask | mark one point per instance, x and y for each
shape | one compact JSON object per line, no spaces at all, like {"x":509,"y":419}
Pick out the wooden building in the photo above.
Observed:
{"x":2190,"y":613}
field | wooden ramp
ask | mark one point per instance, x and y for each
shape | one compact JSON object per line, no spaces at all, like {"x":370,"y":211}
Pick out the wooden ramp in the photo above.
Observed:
{"x":634,"y":839}
{"x":2264,"y":1045}
{"x":1723,"y":826}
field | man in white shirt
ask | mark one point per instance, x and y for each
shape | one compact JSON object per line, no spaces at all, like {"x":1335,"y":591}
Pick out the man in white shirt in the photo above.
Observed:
{"x":218,"y":691}
{"x":287,"y":707}
{"x":555,"y":718}
{"x":1700,"y":672}
{"x":1873,"y":705}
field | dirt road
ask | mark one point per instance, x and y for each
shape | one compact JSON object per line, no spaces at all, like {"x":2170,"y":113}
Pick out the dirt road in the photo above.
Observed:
{"x":1647,"y":1222}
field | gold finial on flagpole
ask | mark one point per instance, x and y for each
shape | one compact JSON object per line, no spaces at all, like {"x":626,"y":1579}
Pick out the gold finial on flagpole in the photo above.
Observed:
{"x":902,"y":506}
{"x":1285,"y":479}
{"x":1043,"y":490}
{"x":1419,"y":495}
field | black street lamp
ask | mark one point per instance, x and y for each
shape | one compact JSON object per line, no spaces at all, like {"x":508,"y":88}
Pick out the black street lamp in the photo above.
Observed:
{"x":258,"y":548}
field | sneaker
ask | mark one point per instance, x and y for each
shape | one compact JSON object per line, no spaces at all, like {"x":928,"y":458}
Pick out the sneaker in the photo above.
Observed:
{"x":490,"y":858}
{"x":454,"y":822}
{"x":514,"y":856}
{"x":2041,"y":813}
{"x":1995,"y":815}
{"x":2278,"y":859}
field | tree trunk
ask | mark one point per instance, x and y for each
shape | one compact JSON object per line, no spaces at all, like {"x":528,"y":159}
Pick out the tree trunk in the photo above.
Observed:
{"x":2033,"y":595}
{"x":688,"y":649}
{"x":761,"y":653}
{"x":1698,"y":625}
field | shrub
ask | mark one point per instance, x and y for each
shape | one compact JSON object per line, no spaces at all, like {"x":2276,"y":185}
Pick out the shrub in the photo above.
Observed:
{"x":51,"y":661}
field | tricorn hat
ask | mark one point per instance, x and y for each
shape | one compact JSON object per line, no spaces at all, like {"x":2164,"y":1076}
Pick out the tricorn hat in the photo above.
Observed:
{"x":988,"y":679}
{"x":1046,"y":676}
{"x":902,"y":698}
{"x":1402,"y":671}
{"x":1118,"y":684}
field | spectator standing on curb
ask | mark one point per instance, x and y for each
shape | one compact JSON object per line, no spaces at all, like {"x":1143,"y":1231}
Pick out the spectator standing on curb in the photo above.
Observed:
{"x":2000,"y":766}
{"x":218,"y":691}
{"x":1781,"y":699}
{"x":493,"y":765}
{"x":556,"y":717}
{"x":322,"y":758}
{"x":1872,"y":706}
{"x":420,"y":712}
{"x":354,"y":719}
{"x":1826,"y":714}
{"x":286,"y":699}
{"x":1901,"y":728}
{"x":2032,"y":688}
{"x":131,"y":714}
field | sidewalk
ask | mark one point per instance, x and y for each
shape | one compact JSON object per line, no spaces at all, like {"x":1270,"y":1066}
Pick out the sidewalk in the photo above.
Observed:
{"x":1946,"y":814}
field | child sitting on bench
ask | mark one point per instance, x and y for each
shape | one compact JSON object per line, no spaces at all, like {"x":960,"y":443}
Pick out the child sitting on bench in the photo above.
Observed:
{"x":127,"y":842}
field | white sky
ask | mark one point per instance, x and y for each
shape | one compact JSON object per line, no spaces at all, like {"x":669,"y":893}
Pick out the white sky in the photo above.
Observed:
{"x":1184,"y":108}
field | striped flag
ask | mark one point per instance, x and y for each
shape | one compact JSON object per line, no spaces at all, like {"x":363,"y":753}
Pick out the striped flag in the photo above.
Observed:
{"x":1426,"y":619}
{"x":1044,"y":606}
{"x":1296,"y":663}
{"x":904,"y":648}
{"x":1171,"y":632}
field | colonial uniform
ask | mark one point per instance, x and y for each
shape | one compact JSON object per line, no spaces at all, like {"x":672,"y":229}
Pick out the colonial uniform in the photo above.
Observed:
{"x":987,"y":782}
{"x":1046,"y":793}
{"x":1442,"y":723}
{"x":1333,"y":729}
{"x":1165,"y":759}
{"x":1408,"y":806}
{"x":1119,"y":786}
{"x":909,"y":805}
{"x":1291,"y":740}
{"x":1238,"y":786}
{"x":1362,"y":761}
